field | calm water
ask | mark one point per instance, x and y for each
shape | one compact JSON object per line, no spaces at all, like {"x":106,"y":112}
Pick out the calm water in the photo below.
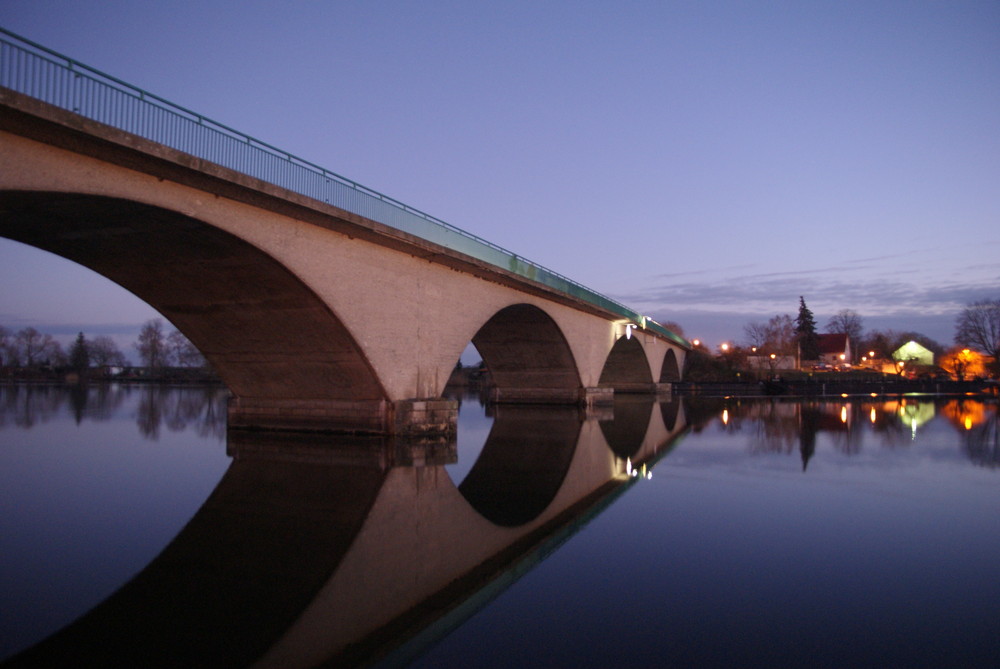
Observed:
{"x":846,"y":533}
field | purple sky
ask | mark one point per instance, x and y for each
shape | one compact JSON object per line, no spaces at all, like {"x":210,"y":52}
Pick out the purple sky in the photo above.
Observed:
{"x":703,"y":162}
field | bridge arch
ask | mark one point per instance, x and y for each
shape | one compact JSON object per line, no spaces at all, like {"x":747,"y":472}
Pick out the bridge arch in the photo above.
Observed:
{"x":670,"y":371}
{"x":266,"y":333}
{"x":528,"y":356}
{"x":627,"y":367}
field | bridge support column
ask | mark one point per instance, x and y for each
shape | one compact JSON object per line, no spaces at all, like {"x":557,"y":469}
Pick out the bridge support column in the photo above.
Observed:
{"x":597,"y":396}
{"x":418,"y":418}
{"x":403,"y":418}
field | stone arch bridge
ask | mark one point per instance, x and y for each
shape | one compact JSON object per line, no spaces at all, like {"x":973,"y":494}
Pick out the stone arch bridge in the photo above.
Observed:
{"x":313,"y":315}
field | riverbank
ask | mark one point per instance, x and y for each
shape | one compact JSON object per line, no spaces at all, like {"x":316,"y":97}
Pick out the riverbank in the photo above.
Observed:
{"x":832,"y":387}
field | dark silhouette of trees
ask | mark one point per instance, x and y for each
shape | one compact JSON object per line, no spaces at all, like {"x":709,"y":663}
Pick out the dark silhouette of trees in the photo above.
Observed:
{"x":978,"y":327}
{"x":5,"y":344}
{"x":776,"y":336}
{"x":152,"y":345}
{"x":805,"y":332}
{"x":183,"y":352}
{"x":847,"y":322}
{"x":33,"y":349}
{"x":79,"y":354}
{"x":105,"y":353}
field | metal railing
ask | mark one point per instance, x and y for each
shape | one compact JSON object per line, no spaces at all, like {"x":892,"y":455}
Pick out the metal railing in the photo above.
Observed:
{"x":39,"y":72}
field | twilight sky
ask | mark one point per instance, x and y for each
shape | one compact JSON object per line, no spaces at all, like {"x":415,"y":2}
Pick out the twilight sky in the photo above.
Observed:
{"x":703,"y":162}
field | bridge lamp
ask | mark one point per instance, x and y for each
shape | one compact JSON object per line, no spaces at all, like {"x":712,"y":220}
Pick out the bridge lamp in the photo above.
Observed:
{"x":628,"y":330}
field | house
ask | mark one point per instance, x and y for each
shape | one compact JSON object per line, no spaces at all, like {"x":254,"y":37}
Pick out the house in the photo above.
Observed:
{"x":913,"y":353}
{"x":834,"y":349}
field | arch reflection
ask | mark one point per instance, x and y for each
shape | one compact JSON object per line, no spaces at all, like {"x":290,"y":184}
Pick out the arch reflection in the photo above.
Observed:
{"x":316,"y":550}
{"x":626,"y":429}
{"x":524,"y":462}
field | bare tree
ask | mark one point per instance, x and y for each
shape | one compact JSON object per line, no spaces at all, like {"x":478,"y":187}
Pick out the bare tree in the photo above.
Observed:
{"x":32,"y":348}
{"x":781,"y":336}
{"x":847,"y":322}
{"x":756,"y":334}
{"x":674,"y":327}
{"x":776,"y":336}
{"x":152,"y":345}
{"x":183,"y":351}
{"x":105,"y":353}
{"x":5,"y":344}
{"x":978,"y":327}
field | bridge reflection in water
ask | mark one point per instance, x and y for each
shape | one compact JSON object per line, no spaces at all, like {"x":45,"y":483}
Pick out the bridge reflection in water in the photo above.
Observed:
{"x":319,"y":549}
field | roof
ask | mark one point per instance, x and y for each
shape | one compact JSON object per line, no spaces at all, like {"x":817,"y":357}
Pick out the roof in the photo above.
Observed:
{"x":832,"y":343}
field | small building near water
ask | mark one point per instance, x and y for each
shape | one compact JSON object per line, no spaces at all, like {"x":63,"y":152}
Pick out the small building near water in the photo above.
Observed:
{"x":834,"y":349}
{"x":913,"y":353}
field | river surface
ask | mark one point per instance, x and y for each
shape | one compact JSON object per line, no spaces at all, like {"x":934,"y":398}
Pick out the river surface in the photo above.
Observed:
{"x":848,"y":532}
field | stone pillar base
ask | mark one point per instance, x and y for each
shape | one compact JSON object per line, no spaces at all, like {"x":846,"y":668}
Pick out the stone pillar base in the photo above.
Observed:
{"x":643,"y":388}
{"x":417,"y":418}
{"x":534,"y":395}
{"x":597,"y":396}
{"x":404,"y":418}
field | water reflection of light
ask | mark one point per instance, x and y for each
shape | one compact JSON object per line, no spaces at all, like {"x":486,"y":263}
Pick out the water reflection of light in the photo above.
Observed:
{"x":843,"y":414}
{"x":643,"y":471}
{"x":873,"y":414}
{"x":725,"y":416}
{"x":964,"y":415}
{"x":915,"y":414}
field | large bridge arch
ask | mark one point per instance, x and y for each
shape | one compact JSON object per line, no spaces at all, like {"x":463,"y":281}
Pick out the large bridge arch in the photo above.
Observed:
{"x":627,"y":366}
{"x":528,"y":356}
{"x":265,"y":332}
{"x":670,"y":370}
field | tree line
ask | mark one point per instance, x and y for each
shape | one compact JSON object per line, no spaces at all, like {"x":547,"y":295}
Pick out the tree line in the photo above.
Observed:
{"x":31,"y":350}
{"x":974,"y":351}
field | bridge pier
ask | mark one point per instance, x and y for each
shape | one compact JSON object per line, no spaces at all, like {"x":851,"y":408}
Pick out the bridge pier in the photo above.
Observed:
{"x":643,"y":388}
{"x":582,"y":396}
{"x":403,"y":418}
